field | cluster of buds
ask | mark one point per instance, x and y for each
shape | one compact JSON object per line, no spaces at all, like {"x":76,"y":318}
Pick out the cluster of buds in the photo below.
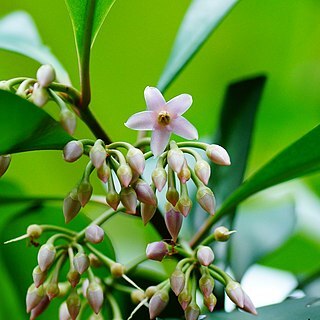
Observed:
{"x":196,"y":272}
{"x":42,"y":89}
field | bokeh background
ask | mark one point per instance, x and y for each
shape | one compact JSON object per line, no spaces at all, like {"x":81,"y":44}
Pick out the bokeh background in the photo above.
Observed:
{"x":276,"y":38}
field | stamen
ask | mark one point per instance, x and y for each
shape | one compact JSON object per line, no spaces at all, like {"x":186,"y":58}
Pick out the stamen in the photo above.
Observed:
{"x":164,"y":118}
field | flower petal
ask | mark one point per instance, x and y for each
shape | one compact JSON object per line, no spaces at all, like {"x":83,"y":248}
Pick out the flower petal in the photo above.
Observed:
{"x":144,"y":120}
{"x":154,"y":99}
{"x":159,"y":141}
{"x":179,"y":104}
{"x":182,"y":127}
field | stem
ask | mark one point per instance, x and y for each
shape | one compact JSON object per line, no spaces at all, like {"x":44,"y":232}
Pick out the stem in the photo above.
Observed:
{"x":193,"y":144}
{"x":107,"y":261}
{"x":69,"y":91}
{"x":115,"y":307}
{"x":122,"y":288}
{"x":48,"y":227}
{"x":135,"y":262}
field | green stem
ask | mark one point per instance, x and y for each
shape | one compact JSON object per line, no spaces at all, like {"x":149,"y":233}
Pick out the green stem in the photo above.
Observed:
{"x":143,"y":142}
{"x":219,"y":274}
{"x":135,"y":262}
{"x":193,"y":144}
{"x":107,"y":261}
{"x":71,"y":92}
{"x":122,"y":288}
{"x":115,"y":307}
{"x":48,"y":227}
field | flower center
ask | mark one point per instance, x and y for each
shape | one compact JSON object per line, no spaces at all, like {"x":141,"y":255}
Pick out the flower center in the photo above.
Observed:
{"x":164,"y":118}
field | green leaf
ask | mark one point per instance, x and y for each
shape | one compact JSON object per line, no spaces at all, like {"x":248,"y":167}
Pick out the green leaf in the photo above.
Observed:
{"x":24,"y":127}
{"x":202,"y":17}
{"x":293,"y":309}
{"x":19,"y":34}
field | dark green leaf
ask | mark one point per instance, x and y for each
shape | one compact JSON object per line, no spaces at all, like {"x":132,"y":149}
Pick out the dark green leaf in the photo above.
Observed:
{"x":19,"y":34}
{"x":202,"y":17}
{"x":26,"y":127}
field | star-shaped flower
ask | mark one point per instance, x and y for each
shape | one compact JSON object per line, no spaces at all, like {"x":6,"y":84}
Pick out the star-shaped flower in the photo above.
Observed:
{"x":163,"y":118}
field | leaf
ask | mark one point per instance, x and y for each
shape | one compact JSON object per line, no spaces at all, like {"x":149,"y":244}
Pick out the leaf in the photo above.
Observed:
{"x":202,"y":17}
{"x":19,"y":34}
{"x":254,"y":226}
{"x":25,"y":127}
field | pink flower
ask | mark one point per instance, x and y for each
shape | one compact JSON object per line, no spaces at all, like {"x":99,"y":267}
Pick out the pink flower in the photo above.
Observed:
{"x":163,"y":118}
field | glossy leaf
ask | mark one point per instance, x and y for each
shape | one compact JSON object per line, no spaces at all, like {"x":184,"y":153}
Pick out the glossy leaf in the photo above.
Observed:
{"x":202,"y":17}
{"x":24,"y":127}
{"x":19,"y":34}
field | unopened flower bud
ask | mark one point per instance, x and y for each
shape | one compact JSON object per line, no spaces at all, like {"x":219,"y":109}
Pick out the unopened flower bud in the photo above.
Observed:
{"x":144,"y":192}
{"x":206,"y":285}
{"x":192,"y":312}
{"x":177,"y":281}
{"x":84,"y":288}
{"x":150,"y":291}
{"x":173,"y":220}
{"x":71,"y":205}
{"x":184,"y":175}
{"x":135,"y":159}
{"x":45,"y":75}
{"x":95,"y":261}
{"x":113,"y":199}
{"x":124,"y":174}
{"x":40,"y":308}
{"x":184,"y":299}
{"x":248,"y":306}
{"x":38,"y":276}
{"x":184,"y":205}
{"x":210,"y":302}
{"x":157,"y":303}
{"x":73,"y":304}
{"x":137,"y":296}
{"x":84,"y":192}
{"x":172,"y":195}
{"x":157,"y":250}
{"x":34,"y":231}
{"x":117,"y":270}
{"x":52,"y":290}
{"x":39,"y":95}
{"x":95,"y":296}
{"x":235,"y":293}
{"x":104,"y":172}
{"x":205,"y":255}
{"x":218,"y":155}
{"x":73,"y":276}
{"x":4,"y":163}
{"x":94,"y":234}
{"x":46,"y":256}
{"x":34,"y":296}
{"x":128,"y":198}
{"x":175,"y":159}
{"x":72,"y":151}
{"x":68,"y":121}
{"x":159,"y":178}
{"x":147,"y":212}
{"x":222,"y":234}
{"x":98,"y":154}
{"x":202,"y":170}
{"x":206,"y":199}
{"x":81,"y":262}
{"x":64,"y":312}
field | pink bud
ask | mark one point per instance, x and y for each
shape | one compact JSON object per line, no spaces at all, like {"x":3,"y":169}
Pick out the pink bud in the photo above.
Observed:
{"x":157,"y":303}
{"x":64,"y":312}
{"x":173,"y":220}
{"x":175,"y":159}
{"x":104,"y":172}
{"x":218,"y":155}
{"x":94,"y":234}
{"x":40,"y":308}
{"x":129,"y":199}
{"x":135,"y":159}
{"x":184,"y":205}
{"x":184,"y":299}
{"x":84,"y":192}
{"x":4,"y":163}
{"x":202,"y":170}
{"x":235,"y":293}
{"x":144,"y":192}
{"x":81,"y":262}
{"x":113,"y":199}
{"x":124,"y":174}
{"x":95,"y":296}
{"x":85,"y":285}
{"x":210,"y":302}
{"x":71,"y":206}
{"x":98,"y":154}
{"x":34,"y":296}
{"x":192,"y":312}
{"x":147,"y":212}
{"x":206,"y":285}
{"x":38,"y":276}
{"x":205,"y":255}
{"x":248,"y":305}
{"x":73,"y":304}
{"x":72,"y":151}
{"x":52,"y":290}
{"x":45,"y":75}
{"x":159,"y":178}
{"x":177,"y":281}
{"x":184,"y":175}
{"x":157,"y":250}
{"x":206,"y":199}
{"x":73,"y":277}
{"x":68,"y":121}
{"x":46,"y":256}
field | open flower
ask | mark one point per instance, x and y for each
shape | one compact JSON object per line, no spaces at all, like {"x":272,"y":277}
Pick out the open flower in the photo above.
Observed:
{"x":163,"y":118}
